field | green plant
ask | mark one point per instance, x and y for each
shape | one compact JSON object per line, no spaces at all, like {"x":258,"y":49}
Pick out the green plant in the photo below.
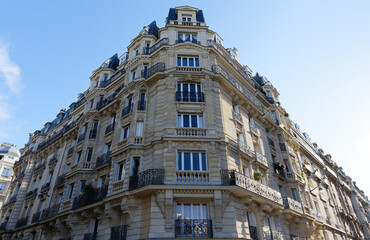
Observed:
{"x":310,"y":184}
{"x":257,"y":175}
{"x":303,"y":175}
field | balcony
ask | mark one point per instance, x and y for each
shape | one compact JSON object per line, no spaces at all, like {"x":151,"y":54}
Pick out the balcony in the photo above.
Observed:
{"x":261,"y":159}
{"x":141,"y":105}
{"x":39,"y":167}
{"x":188,"y":69}
{"x":189,"y":96}
{"x":93,"y":134}
{"x":60,"y":180}
{"x":118,"y":186}
{"x":31,"y":193}
{"x":232,"y":178}
{"x":81,"y":137}
{"x":103,"y":159}
{"x":187,"y":40}
{"x":22,"y":222}
{"x":80,"y":166}
{"x":36,"y":217}
{"x":71,"y":150}
{"x":237,"y":116}
{"x":147,"y":177}
{"x":90,"y":236}
{"x":45,"y":187}
{"x":3,"y":225}
{"x":279,"y":170}
{"x":54,"y":159}
{"x":127,"y":110}
{"x":118,"y":233}
{"x":292,"y":205}
{"x":253,"y":232}
{"x":191,"y":132}
{"x":138,"y":140}
{"x":192,"y":177}
{"x":109,"y":128}
{"x":50,"y":212}
{"x":292,"y":176}
{"x":246,"y":149}
{"x":193,"y":228}
{"x":163,"y":41}
{"x":158,"y":67}
{"x":96,"y":195}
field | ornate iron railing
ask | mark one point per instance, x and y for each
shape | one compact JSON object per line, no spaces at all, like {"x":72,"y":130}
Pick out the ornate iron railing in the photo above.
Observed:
{"x":292,"y":204}
{"x":103,"y":159}
{"x":60,"y":180}
{"x":81,"y":137}
{"x":31,"y":193}
{"x":253,"y":232}
{"x":189,"y":96}
{"x":45,"y":187}
{"x":118,"y":233}
{"x":193,"y":228}
{"x":158,"y":67}
{"x":279,"y":170}
{"x":22,"y":222}
{"x":109,"y":128}
{"x":147,"y":177}
{"x":163,"y":41}
{"x":50,"y":212}
{"x":89,"y":198}
{"x":230,"y":177}
{"x":36,"y":217}
{"x":90,"y":236}
{"x":127,"y":110}
{"x":50,"y":140}
{"x":141,"y":105}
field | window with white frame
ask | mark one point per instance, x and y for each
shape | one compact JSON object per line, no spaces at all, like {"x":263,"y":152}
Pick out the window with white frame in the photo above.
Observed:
{"x":6,"y":171}
{"x":191,"y":211}
{"x":2,"y":186}
{"x":125,"y":132}
{"x":186,"y":18}
{"x":120,"y":171}
{"x":191,"y":161}
{"x":139,"y":129}
{"x":189,"y":87}
{"x":187,"y":37}
{"x":187,"y":61}
{"x":192,"y":121}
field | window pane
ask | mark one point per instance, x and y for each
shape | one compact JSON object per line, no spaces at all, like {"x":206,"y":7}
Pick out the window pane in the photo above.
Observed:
{"x":186,"y":121}
{"x":197,"y":62}
{"x":178,"y":211}
{"x":194,"y":121}
{"x":179,"y":162}
{"x":204,"y":162}
{"x":179,"y":61}
{"x":194,"y":38}
{"x":185,"y":88}
{"x":196,"y":166}
{"x":185,"y":62}
{"x":187,"y":165}
{"x":187,"y":211}
{"x":196,"y":211}
{"x":198,"y":88}
{"x":180,"y":38}
{"x":179,"y":121}
{"x":191,"y":62}
{"x":204,"y":210}
{"x":187,"y":37}
{"x":192,"y":87}
{"x":201,"y":125}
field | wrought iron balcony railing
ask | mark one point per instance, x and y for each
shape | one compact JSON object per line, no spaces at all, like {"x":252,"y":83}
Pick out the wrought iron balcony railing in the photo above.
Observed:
{"x":163,"y":41}
{"x":103,"y":159}
{"x":90,"y":236}
{"x":109,"y":128}
{"x":36,"y":217}
{"x":147,"y":177}
{"x":230,"y":177}
{"x":89,"y":198}
{"x":40,"y":166}
{"x":158,"y":67}
{"x":253,"y":232}
{"x":31,"y":193}
{"x":118,"y":233}
{"x":141,"y":105}
{"x":45,"y":187}
{"x":127,"y":110}
{"x":189,"y":96}
{"x":293,"y":205}
{"x":193,"y":228}
{"x":81,"y":137}
{"x":279,"y":170}
{"x":50,"y":212}
{"x":60,"y":180}
{"x":22,"y":222}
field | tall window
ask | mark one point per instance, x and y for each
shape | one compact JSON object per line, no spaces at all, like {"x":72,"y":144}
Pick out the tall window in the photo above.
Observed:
{"x":81,"y":187}
{"x":2,"y":186}
{"x":294,"y":194}
{"x":139,"y":129}
{"x":191,"y":211}
{"x":48,"y":178}
{"x":70,"y":191}
{"x":125,"y":131}
{"x":193,"y":121}
{"x":133,"y":74}
{"x":191,"y":161}
{"x":77,"y":157}
{"x":88,"y":154}
{"x":189,"y":92}
{"x":6,"y":172}
{"x":91,"y":104}
{"x":185,"y":61}
{"x":120,"y":171}
{"x":187,"y":37}
{"x":107,"y":147}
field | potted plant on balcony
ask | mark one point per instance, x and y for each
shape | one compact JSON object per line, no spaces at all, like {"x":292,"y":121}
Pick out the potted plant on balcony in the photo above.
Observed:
{"x":257,"y":175}
{"x":278,"y":165}
{"x":303,"y":175}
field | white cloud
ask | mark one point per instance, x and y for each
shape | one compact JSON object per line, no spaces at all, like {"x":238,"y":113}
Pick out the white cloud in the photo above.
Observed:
{"x":10,"y":70}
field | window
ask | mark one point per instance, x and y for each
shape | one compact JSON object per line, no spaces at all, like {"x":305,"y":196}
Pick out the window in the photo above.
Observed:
{"x":59,"y":199}
{"x":77,"y":157}
{"x":2,"y":186}
{"x":189,"y":92}
{"x":246,"y":171}
{"x":70,"y":191}
{"x":120,"y":171}
{"x":107,"y":147}
{"x":38,"y":182}
{"x":187,"y":37}
{"x":94,"y":130}
{"x":187,"y":61}
{"x":251,"y":219}
{"x":133,"y":75}
{"x":96,"y":83}
{"x":191,"y":211}
{"x":101,"y":181}
{"x":125,"y":131}
{"x":91,"y":104}
{"x":48,"y":178}
{"x":88,"y":154}
{"x":294,"y":194}
{"x":139,"y":129}
{"x":186,"y":19}
{"x":191,"y":161}
{"x":194,"y":121}
{"x":66,"y":168}
{"x":81,"y":187}
{"x":282,"y":192}
{"x":6,"y":171}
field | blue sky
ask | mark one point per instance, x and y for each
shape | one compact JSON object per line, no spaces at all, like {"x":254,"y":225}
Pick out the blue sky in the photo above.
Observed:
{"x":316,"y":53}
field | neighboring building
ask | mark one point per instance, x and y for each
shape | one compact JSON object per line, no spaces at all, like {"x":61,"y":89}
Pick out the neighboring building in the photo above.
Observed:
{"x":8,"y":155}
{"x":176,"y":139}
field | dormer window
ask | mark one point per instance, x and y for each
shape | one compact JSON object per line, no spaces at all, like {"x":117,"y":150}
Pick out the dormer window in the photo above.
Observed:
{"x":186,"y":19}
{"x":187,"y":37}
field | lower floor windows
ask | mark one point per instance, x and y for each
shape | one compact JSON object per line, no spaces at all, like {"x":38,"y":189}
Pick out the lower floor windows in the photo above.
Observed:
{"x":193,"y":121}
{"x":191,"y":211}
{"x":191,"y":161}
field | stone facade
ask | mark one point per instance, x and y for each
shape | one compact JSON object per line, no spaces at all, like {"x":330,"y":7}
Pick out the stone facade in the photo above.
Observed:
{"x":175,"y":139}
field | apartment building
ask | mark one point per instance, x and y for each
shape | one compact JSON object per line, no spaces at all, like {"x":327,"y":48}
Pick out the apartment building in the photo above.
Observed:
{"x":176,"y":139}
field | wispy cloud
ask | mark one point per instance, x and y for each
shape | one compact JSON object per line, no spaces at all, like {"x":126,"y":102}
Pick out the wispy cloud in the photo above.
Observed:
{"x":9,"y":70}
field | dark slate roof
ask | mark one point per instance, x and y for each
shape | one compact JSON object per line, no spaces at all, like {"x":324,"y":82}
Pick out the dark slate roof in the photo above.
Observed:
{"x":11,"y":151}
{"x":153,"y":29}
{"x":200,"y":17}
{"x":259,"y":79}
{"x":171,"y":15}
{"x":114,"y":63}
